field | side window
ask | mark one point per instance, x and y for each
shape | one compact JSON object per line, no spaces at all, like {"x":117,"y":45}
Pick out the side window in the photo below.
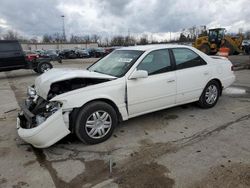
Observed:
{"x":9,"y":47}
{"x":186,"y":58}
{"x":156,"y":62}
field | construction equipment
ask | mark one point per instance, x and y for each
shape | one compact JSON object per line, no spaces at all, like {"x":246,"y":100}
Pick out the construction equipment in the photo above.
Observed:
{"x":216,"y":38}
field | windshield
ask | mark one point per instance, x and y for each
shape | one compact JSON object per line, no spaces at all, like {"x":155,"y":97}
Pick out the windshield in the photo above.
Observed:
{"x":117,"y":63}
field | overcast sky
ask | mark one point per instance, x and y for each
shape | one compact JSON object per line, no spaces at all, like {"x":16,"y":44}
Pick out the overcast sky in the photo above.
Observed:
{"x":113,"y":17}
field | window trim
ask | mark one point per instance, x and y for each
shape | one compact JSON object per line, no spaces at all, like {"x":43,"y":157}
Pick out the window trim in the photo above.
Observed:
{"x":172,"y":67}
{"x":173,"y":58}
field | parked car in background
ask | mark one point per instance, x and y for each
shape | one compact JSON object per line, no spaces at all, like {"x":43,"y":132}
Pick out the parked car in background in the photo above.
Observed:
{"x":52,"y":54}
{"x":67,"y":54}
{"x":129,"y":82}
{"x":246,"y":46}
{"x":82,"y":53}
{"x":12,"y":57}
{"x":109,"y":50}
{"x":96,"y":52}
{"x":31,"y":56}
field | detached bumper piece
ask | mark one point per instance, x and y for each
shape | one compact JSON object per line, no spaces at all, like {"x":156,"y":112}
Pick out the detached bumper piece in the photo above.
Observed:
{"x":41,"y":133}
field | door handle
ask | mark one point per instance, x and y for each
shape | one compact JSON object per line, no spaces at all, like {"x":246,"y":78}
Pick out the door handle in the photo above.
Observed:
{"x":206,"y":73}
{"x":170,"y":80}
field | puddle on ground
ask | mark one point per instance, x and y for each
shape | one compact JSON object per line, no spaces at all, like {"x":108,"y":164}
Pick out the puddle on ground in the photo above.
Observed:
{"x":234,"y":91}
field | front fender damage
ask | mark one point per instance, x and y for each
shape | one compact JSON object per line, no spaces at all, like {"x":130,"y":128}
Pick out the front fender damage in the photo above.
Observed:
{"x":53,"y":129}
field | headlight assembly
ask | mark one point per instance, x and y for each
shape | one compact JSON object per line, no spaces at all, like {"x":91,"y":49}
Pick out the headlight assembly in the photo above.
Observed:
{"x":31,"y":92}
{"x":53,"y":106}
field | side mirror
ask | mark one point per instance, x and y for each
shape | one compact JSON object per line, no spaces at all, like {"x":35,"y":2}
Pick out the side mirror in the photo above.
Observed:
{"x":139,"y":74}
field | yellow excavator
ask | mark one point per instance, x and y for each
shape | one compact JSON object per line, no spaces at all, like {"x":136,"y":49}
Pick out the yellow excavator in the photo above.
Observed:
{"x":216,"y":39}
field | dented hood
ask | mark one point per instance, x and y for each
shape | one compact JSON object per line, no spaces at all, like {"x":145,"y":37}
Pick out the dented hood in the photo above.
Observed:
{"x":44,"y":81}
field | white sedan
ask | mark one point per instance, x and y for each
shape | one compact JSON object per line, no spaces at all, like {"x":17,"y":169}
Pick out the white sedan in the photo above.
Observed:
{"x":129,"y":82}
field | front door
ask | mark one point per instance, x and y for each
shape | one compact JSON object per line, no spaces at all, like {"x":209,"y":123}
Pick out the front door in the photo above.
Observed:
{"x":158,"y":90}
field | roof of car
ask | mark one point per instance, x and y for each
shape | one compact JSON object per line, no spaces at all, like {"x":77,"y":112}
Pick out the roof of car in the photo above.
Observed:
{"x":153,"y":47}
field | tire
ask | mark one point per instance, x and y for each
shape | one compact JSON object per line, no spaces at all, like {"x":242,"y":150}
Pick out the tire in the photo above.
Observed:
{"x":43,"y":67}
{"x":212,"y":90}
{"x":205,"y":49}
{"x":96,"y":131}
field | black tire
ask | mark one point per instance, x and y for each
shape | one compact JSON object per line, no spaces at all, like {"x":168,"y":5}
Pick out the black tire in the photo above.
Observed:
{"x":83,"y":132}
{"x":205,"y":49}
{"x":203,"y":101}
{"x":43,"y":66}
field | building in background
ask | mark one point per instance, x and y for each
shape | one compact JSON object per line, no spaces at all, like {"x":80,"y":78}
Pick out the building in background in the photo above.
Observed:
{"x":59,"y":46}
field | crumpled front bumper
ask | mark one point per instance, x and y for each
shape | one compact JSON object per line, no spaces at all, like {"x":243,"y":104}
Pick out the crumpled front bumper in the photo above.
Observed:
{"x":44,"y":135}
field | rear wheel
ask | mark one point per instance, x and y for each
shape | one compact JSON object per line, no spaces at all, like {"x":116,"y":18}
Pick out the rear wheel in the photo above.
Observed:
{"x":43,"y":67}
{"x":95,"y":122}
{"x":210,"y":95}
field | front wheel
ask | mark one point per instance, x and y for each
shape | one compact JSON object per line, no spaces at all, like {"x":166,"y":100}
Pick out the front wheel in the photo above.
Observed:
{"x":210,"y":95}
{"x":95,"y":122}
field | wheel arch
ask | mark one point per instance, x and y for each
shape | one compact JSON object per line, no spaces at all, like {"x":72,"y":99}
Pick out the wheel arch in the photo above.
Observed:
{"x":75,"y":111}
{"x":219,"y":82}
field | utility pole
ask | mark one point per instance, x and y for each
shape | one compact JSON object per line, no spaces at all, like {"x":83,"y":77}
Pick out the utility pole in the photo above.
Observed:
{"x":63,"y":29}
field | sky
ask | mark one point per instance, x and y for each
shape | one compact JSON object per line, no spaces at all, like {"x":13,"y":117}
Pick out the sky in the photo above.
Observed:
{"x":157,"y":18}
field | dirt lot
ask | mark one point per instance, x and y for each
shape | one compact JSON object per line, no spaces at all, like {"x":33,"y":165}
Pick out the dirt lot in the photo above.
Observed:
{"x":179,"y":147}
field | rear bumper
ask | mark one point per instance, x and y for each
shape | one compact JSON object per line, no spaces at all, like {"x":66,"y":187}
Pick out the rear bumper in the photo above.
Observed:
{"x":44,"y":135}
{"x":228,"y":81}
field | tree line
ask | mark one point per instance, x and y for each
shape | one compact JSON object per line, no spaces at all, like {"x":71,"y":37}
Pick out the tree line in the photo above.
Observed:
{"x":187,"y":35}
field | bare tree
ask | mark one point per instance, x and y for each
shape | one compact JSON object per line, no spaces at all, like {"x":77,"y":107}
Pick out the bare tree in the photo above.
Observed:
{"x":47,"y":38}
{"x":57,"y":37}
{"x":86,"y":39}
{"x":143,"y":40}
{"x":10,"y":35}
{"x":33,"y":40}
{"x":95,"y":38}
{"x":117,"y":41}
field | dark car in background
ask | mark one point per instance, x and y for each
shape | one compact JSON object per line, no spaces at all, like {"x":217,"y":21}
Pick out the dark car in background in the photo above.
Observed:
{"x":52,"y":54}
{"x":82,"y":53}
{"x":96,"y":52}
{"x":12,"y":57}
{"x":246,"y":46}
{"x":67,"y":54}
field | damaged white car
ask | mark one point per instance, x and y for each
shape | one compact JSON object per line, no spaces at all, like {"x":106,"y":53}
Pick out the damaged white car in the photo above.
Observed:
{"x":129,"y":82}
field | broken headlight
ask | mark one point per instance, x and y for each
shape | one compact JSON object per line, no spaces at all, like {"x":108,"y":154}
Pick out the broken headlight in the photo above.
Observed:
{"x":53,"y":106}
{"x":31,"y":92}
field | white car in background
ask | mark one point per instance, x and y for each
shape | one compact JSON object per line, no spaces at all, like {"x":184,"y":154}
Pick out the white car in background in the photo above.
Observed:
{"x":129,"y":82}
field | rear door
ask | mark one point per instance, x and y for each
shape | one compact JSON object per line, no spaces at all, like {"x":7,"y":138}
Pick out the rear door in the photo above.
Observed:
{"x":11,"y":55}
{"x":192,"y":74}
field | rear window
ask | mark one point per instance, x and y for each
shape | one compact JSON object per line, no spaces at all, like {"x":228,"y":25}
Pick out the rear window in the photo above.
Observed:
{"x":4,"y":47}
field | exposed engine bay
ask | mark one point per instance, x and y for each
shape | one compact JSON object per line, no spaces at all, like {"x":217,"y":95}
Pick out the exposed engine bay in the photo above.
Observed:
{"x":64,"y":86}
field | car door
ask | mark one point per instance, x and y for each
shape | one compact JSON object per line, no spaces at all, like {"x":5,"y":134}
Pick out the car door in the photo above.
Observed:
{"x":158,"y":90}
{"x":192,"y":75}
